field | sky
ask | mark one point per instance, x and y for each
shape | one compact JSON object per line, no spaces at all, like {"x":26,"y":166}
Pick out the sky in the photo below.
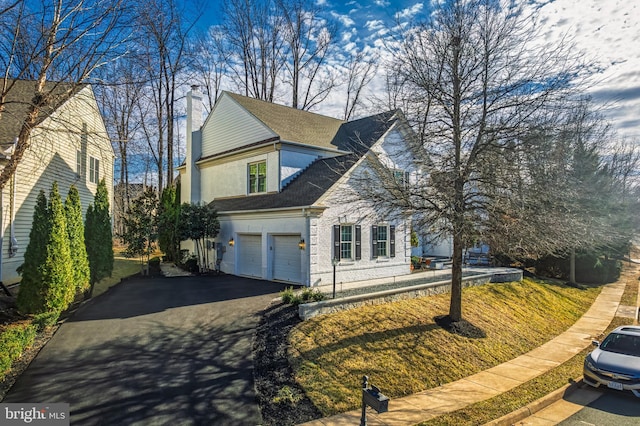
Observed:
{"x":604,"y":31}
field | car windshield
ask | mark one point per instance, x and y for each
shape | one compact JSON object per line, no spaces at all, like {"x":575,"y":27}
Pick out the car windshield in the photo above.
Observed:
{"x":622,"y":344}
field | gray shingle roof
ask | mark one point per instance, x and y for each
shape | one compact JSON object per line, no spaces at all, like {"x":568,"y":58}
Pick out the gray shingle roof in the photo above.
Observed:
{"x":292,"y":124}
{"x":356,"y":136}
{"x":20,"y":96}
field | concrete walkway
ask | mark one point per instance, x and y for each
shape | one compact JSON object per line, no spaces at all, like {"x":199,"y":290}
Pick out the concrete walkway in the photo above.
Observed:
{"x":502,"y":378}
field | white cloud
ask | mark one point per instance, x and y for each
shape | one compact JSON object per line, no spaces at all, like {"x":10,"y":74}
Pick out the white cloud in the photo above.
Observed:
{"x":344,"y":19}
{"x":374,"y":25}
{"x":410,"y":12}
{"x":382,"y":3}
{"x":608,"y":33}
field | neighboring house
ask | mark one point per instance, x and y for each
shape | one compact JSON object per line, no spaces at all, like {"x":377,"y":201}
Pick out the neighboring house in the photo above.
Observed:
{"x":69,"y":145}
{"x":277,"y":177}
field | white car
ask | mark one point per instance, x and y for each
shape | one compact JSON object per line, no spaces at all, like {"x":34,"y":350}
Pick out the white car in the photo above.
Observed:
{"x":615,"y":363}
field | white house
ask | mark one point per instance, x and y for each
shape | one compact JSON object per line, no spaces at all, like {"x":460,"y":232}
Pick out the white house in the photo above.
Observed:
{"x":69,"y":145}
{"x":278,"y":178}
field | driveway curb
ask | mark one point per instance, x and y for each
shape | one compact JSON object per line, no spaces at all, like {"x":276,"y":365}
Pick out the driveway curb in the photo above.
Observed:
{"x":535,"y":406}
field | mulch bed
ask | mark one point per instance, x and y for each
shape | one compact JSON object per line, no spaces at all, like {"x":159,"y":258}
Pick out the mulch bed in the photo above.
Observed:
{"x":281,"y":400}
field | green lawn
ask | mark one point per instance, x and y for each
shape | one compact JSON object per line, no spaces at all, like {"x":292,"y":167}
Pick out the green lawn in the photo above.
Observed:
{"x":122,"y":267}
{"x":402,"y":350}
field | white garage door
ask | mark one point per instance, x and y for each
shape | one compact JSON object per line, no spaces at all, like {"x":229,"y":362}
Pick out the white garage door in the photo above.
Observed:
{"x":287,"y":257}
{"x":250,"y":255}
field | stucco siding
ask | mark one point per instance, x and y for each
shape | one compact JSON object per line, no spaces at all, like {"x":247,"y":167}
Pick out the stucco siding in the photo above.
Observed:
{"x":229,"y":126}
{"x":230,"y":179}
{"x":51,"y":157}
{"x":267,"y":225}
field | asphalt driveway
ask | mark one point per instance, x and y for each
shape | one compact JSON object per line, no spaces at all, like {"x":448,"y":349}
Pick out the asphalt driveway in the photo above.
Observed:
{"x":155,"y":351}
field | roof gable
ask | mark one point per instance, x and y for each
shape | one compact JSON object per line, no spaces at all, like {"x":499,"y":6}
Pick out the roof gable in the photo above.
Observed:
{"x":20,"y":97}
{"x":290,"y":124}
{"x":230,"y":127}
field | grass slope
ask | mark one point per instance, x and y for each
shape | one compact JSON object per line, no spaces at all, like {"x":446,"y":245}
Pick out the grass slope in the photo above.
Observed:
{"x":402,"y":350}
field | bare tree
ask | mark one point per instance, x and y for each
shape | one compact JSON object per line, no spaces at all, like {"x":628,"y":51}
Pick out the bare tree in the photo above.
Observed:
{"x":210,"y":63}
{"x":164,"y":29}
{"x":476,"y":81}
{"x":309,"y":39}
{"x":120,"y":96}
{"x":360,"y":72}
{"x":255,"y":41}
{"x":58,"y":45}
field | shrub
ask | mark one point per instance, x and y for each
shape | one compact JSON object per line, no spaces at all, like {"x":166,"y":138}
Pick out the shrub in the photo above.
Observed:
{"x":45,"y":319}
{"x":31,"y":296}
{"x":287,"y":295}
{"x":75,"y":229}
{"x":98,"y":236}
{"x":309,"y":295}
{"x":57,"y":272}
{"x":288,"y":396}
{"x":190,"y":264}
{"x":13,"y":342}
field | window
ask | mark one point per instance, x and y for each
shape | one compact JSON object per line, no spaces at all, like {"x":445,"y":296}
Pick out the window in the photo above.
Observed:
{"x":383,"y":242}
{"x":258,"y":177}
{"x":346,"y":242}
{"x":79,"y":163}
{"x":401,"y":177}
{"x":94,"y":170}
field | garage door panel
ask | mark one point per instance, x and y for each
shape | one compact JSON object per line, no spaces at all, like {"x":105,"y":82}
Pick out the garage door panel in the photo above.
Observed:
{"x":287,"y":258}
{"x":250,"y":255}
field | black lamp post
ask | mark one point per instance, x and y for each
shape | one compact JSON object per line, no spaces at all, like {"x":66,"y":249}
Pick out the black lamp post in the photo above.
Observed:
{"x":334,"y":262}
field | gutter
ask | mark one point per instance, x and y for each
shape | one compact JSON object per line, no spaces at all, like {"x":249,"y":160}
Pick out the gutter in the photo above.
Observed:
{"x":304,"y":209}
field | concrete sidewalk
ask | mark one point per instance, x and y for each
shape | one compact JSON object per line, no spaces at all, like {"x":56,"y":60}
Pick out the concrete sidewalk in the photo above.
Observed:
{"x":499,"y":379}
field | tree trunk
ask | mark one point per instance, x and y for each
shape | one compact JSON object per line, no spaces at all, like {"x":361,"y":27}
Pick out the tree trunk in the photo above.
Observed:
{"x":455,"y":306}
{"x":572,"y":266}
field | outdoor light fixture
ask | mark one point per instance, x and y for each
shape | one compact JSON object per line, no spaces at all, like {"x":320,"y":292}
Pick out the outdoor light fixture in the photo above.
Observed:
{"x":231,"y":242}
{"x":302,"y":245}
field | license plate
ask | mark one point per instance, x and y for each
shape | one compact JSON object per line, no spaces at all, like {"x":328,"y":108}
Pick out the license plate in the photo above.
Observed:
{"x":615,"y":385}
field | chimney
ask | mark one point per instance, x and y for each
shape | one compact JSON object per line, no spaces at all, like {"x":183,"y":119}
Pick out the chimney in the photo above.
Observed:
{"x":191,"y":184}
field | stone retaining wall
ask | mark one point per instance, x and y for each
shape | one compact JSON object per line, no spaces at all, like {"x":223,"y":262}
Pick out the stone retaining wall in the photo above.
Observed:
{"x":310,"y":310}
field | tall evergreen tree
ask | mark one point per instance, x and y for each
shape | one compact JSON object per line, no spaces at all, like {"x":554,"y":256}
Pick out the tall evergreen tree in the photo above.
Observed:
{"x":57,"y":273}
{"x":75,"y":229}
{"x":31,"y":297}
{"x":168,"y":215}
{"x":98,"y":236}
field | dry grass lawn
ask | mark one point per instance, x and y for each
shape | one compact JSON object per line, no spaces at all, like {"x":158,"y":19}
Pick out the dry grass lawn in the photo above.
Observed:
{"x":402,"y":350}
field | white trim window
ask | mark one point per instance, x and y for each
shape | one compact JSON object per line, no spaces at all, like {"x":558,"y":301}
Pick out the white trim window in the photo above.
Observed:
{"x":257,"y":177}
{"x":383,"y":242}
{"x":401,"y":177}
{"x":346,"y":242}
{"x":79,"y":163}
{"x":94,"y":170}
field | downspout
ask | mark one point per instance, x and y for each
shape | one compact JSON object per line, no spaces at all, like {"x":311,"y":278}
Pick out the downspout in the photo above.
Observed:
{"x":13,"y":243}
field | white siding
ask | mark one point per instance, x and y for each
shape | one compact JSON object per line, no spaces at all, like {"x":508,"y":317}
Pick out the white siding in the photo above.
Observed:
{"x":52,"y":157}
{"x":231,"y":179}
{"x":230,"y":126}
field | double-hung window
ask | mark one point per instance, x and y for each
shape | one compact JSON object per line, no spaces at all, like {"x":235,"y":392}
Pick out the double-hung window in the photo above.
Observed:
{"x":383,"y":242}
{"x":346,"y":242}
{"x":258,"y":177}
{"x":94,"y":170}
{"x":401,"y":177}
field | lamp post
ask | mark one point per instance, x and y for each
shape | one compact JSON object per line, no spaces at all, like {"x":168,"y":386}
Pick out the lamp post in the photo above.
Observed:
{"x":334,"y":262}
